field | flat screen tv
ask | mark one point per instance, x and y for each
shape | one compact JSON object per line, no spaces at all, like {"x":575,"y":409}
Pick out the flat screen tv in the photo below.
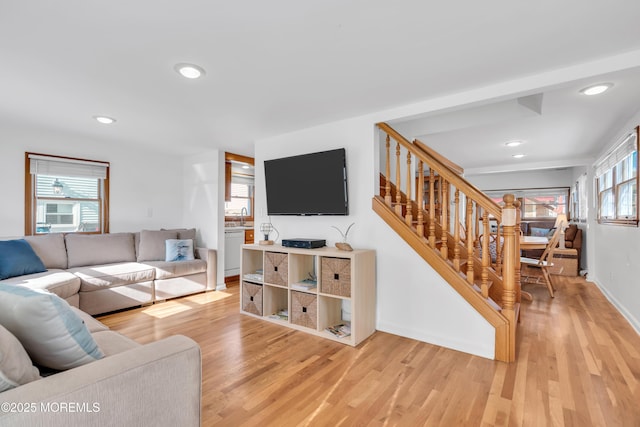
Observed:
{"x":309,"y":184}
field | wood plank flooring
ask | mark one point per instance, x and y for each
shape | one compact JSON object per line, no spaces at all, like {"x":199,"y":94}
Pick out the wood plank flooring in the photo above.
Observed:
{"x":578,"y":364}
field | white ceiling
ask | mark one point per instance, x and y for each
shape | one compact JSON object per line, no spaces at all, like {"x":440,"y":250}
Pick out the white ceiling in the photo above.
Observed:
{"x":559,"y":127}
{"x":278,"y":66}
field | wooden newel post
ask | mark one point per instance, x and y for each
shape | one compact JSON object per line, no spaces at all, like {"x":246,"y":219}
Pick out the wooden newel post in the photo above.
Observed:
{"x":509,"y":269}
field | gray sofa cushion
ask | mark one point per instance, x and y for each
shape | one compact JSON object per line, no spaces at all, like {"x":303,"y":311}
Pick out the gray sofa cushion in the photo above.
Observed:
{"x":99,"y":249}
{"x":167,"y":270}
{"x":61,"y":283}
{"x":113,"y":343}
{"x":184,"y":233}
{"x":92,"y":324}
{"x":50,"y":248}
{"x":152,"y":244}
{"x":98,"y":277}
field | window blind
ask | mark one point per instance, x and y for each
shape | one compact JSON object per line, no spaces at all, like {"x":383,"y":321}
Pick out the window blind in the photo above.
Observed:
{"x":628,"y":145}
{"x":55,"y":166}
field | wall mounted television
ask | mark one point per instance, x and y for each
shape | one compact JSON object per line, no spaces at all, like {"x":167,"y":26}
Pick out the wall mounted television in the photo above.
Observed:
{"x":308,"y":184}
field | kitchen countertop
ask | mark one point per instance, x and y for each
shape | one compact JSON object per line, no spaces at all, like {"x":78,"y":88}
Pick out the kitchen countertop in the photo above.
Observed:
{"x":239,"y":227}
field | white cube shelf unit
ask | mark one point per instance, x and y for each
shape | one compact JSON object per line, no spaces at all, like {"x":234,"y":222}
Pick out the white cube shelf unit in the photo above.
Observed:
{"x":277,"y":286}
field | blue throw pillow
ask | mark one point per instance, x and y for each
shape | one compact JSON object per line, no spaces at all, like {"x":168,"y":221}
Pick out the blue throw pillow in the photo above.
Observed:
{"x":50,"y":331}
{"x":17,"y":258}
{"x":179,"y":250}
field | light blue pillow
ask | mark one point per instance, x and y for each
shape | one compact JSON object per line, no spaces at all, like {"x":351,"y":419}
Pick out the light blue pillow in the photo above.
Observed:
{"x":17,"y":258}
{"x":51,"y":333}
{"x":539,"y":232}
{"x":179,"y":250}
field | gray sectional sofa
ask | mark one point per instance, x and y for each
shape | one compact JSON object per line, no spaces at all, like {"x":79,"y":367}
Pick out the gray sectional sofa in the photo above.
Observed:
{"x":104,"y":378}
{"x":157,"y":384}
{"x":99,"y":273}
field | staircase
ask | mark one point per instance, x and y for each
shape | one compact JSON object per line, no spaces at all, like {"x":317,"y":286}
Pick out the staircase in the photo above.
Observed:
{"x":464,"y":235}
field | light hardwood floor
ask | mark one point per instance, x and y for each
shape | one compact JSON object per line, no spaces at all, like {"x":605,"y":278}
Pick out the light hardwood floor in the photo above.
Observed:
{"x":578,"y":364}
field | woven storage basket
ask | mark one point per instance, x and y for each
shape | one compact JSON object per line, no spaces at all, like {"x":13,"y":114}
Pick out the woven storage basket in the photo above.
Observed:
{"x":252,"y":298}
{"x":304,"y":309}
{"x":565,"y":262}
{"x":275,"y":268}
{"x":336,"y":276}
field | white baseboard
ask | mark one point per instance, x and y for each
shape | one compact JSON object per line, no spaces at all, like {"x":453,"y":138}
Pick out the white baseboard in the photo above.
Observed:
{"x":486,"y":350}
{"x":633,"y":321}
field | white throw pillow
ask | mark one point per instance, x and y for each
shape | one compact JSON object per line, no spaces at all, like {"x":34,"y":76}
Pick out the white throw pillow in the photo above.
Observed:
{"x":15,"y":366}
{"x":179,"y":250}
{"x":53,"y":335}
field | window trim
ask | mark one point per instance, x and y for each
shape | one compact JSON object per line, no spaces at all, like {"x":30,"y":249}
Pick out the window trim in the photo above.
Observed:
{"x":30,"y":202}
{"x":229,"y":157}
{"x":615,"y":186}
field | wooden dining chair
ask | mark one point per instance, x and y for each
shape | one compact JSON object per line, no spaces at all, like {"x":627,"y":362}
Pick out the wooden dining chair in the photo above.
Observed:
{"x":544,"y":263}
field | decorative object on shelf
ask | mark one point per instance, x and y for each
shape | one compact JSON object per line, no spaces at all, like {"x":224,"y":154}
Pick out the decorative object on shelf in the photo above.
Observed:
{"x":266,"y":228}
{"x":344,"y":246}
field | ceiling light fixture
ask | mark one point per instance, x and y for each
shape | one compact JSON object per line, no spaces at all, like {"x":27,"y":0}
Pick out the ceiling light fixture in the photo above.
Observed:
{"x":105,"y":120}
{"x":190,"y":71}
{"x":518,"y":156}
{"x":514,"y":143}
{"x":596,"y":89}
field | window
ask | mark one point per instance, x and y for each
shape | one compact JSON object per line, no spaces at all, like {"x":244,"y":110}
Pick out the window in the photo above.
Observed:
{"x":65,"y":195}
{"x":544,"y":203}
{"x":241,"y":197}
{"x":617,"y":183}
{"x":579,"y":199}
{"x":239,"y":187}
{"x":537,"y":203}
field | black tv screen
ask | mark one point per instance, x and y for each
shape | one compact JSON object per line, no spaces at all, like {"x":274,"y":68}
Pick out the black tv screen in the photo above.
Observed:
{"x":309,"y":184}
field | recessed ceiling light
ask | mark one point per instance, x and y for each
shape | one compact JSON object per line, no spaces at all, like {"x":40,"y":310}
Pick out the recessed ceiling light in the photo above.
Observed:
{"x":190,"y":71}
{"x":514,"y":143}
{"x":246,"y":167}
{"x":518,"y":156}
{"x":596,"y":89}
{"x":104,"y":119}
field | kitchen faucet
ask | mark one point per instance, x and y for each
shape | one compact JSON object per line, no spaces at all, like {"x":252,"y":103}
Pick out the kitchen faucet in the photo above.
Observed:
{"x":243,"y":212}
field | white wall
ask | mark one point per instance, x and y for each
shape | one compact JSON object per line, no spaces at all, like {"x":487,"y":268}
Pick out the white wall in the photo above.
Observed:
{"x":204,"y":202}
{"x":145,"y":185}
{"x":615,"y":251}
{"x":412,"y":300}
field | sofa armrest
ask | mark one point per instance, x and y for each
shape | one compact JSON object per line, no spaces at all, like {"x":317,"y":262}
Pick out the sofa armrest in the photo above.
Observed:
{"x":211,"y":257}
{"x":577,"y":241}
{"x":155,"y":384}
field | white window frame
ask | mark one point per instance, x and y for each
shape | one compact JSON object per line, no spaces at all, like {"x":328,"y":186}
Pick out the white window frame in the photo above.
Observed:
{"x":609,"y":165}
{"x":58,"y":166}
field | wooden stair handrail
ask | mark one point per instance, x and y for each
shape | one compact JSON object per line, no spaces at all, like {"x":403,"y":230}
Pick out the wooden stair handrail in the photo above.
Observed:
{"x":451,"y":176}
{"x":433,"y":153}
